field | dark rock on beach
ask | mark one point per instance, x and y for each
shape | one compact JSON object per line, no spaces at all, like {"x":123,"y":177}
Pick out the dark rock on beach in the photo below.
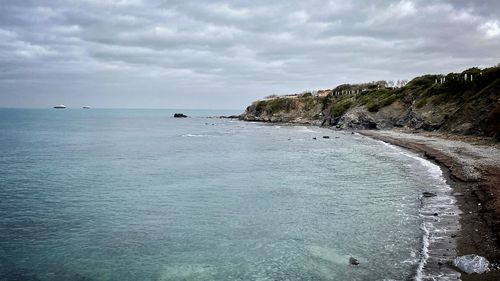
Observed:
{"x":179,"y":115}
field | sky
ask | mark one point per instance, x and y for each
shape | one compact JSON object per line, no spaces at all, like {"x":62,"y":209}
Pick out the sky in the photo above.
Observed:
{"x":226,"y":54}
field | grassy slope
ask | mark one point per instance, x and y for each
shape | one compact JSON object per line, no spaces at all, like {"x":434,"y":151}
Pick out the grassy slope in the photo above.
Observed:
{"x":418,"y":93}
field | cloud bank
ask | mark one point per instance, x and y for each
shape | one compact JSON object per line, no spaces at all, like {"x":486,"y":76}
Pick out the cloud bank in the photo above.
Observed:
{"x":224,"y":54}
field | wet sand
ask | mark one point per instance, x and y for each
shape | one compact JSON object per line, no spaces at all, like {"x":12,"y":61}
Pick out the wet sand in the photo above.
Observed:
{"x":472,"y":169}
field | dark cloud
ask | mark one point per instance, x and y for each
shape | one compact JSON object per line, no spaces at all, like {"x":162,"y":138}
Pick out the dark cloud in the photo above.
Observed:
{"x":139,"y":53}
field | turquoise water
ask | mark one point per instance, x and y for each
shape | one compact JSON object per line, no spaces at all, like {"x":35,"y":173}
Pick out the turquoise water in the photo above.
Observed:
{"x":139,"y":195}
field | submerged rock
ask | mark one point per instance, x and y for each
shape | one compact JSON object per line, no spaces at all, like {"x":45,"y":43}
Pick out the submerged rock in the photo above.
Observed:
{"x":179,"y":115}
{"x":353,"y":261}
{"x":326,"y":137}
{"x":472,"y":264}
{"x":428,"y":194}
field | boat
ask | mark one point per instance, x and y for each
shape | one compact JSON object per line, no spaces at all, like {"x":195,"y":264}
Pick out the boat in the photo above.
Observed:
{"x":61,"y":106}
{"x":86,"y":107}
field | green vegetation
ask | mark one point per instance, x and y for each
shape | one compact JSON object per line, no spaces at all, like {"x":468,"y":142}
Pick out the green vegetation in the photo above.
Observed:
{"x":455,"y":89}
{"x":422,"y":102}
{"x":278,"y":104}
{"x":376,"y":99}
{"x":309,"y":102}
{"x":340,"y":106}
{"x":434,"y":90}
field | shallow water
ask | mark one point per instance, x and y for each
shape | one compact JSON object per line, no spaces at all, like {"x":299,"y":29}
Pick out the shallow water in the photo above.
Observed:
{"x":139,"y":195}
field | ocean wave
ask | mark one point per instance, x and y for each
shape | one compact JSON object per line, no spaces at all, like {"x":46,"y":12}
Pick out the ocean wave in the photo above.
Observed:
{"x":424,"y":254}
{"x":444,"y":204}
{"x":306,"y":129}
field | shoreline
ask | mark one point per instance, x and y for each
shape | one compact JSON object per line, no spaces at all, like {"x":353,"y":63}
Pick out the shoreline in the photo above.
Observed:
{"x":440,"y":224}
{"x":471,"y":168}
{"x":474,"y":197}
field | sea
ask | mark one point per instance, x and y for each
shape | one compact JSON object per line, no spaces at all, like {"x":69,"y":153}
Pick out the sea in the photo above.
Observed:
{"x":135,"y":194}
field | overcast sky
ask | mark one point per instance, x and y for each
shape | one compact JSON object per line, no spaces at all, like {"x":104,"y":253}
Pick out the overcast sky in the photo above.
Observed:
{"x":225,"y":54}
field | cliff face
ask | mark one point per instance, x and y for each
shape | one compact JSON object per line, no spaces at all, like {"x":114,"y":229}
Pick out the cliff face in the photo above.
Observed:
{"x":304,"y":110}
{"x":461,"y":103}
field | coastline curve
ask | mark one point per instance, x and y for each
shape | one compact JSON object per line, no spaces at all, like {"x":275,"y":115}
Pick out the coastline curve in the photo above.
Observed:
{"x":440,"y":224}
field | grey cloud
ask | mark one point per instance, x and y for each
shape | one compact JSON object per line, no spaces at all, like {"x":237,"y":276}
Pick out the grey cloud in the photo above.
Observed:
{"x":243,"y":50}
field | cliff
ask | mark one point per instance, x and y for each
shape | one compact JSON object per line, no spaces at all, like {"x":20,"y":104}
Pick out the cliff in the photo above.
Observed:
{"x":465,"y":103}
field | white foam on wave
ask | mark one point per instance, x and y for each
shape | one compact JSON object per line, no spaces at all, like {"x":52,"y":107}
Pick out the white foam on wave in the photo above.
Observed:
{"x":306,"y":129}
{"x":433,"y":169}
{"x":424,"y":255}
{"x":444,"y":203}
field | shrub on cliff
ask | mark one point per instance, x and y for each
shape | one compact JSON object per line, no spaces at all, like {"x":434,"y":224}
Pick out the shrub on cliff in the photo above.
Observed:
{"x":340,"y":106}
{"x":376,"y":99}
{"x":279,"y":104}
{"x":309,"y":102}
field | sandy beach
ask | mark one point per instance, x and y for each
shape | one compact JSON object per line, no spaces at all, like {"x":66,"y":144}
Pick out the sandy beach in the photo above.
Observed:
{"x":472,"y":168}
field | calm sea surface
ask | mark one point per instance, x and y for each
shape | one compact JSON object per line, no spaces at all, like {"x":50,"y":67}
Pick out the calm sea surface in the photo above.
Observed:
{"x":138,"y":195}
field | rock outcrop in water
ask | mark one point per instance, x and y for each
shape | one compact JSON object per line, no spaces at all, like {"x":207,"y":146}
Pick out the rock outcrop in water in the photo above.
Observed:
{"x":180,"y":115}
{"x":353,"y":261}
{"x":466,"y":103}
{"x":428,"y":194}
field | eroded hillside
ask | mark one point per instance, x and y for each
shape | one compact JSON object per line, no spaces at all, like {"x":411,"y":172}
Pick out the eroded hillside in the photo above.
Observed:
{"x":461,"y":103}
